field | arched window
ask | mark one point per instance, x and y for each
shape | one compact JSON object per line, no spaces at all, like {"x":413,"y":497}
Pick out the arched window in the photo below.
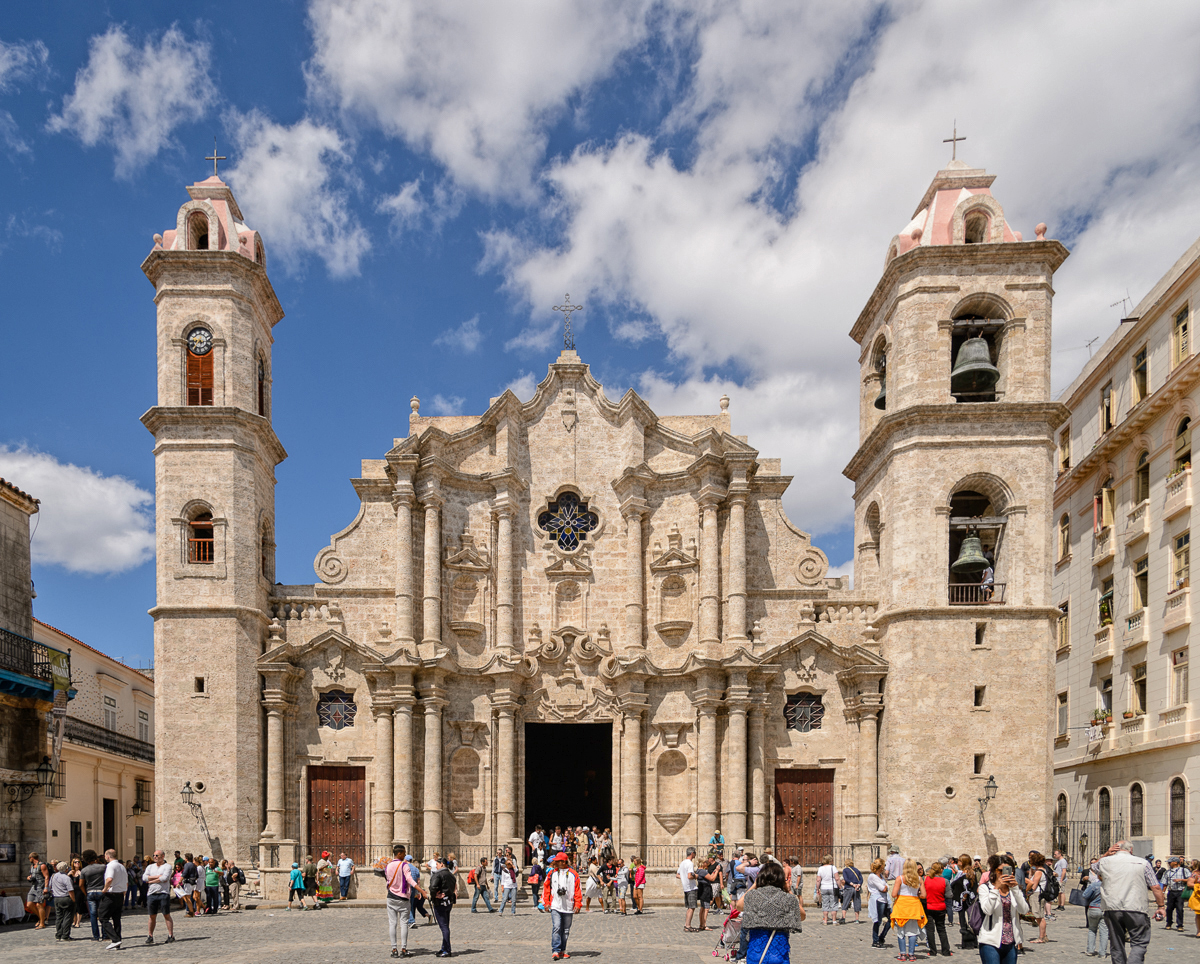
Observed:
{"x":1178,"y":816}
{"x":1060,"y":823}
{"x":1141,"y":486}
{"x":975,"y":228}
{"x":1064,"y":536}
{"x":880,"y":365}
{"x":200,"y":538}
{"x":1137,"y":810}
{"x":199,"y":367}
{"x":197,"y":229}
{"x":266,"y":554}
{"x":974,"y":535}
{"x":262,"y":387}
{"x":259,"y":254}
{"x":975,"y":344}
{"x":1105,"y":809}
{"x":1183,"y":445}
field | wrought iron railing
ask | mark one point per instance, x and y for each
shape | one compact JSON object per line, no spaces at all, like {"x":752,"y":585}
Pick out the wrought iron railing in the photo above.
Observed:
{"x":24,"y":656}
{"x":1080,"y":840}
{"x":975,"y":594}
{"x":466,"y":855}
{"x":89,"y":734}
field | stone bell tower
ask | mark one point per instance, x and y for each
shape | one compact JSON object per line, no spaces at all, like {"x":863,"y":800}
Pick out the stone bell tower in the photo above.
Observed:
{"x":956,"y":445}
{"x":215,"y":455}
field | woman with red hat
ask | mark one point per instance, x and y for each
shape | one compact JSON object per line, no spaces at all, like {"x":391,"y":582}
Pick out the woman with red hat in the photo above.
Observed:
{"x":562,"y":895}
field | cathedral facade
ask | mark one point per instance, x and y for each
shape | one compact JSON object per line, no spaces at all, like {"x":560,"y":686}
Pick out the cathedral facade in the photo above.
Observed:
{"x":574,"y":610}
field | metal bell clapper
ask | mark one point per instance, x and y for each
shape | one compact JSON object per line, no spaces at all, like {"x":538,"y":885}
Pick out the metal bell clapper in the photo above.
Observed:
{"x":970,"y":559}
{"x":974,"y":373}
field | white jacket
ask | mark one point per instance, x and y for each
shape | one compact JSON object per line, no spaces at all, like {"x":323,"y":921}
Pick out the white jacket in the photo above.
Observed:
{"x":993,"y":915}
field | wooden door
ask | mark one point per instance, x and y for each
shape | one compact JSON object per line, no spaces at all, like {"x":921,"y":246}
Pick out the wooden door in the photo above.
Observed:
{"x":803,"y":814}
{"x":337,"y":811}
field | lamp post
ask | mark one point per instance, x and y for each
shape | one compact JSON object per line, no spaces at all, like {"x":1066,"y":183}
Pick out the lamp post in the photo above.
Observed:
{"x":20,"y":792}
{"x":989,"y":794}
{"x":189,"y":797}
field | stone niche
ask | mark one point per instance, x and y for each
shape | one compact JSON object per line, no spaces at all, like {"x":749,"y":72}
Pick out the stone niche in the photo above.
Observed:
{"x":674,"y":599}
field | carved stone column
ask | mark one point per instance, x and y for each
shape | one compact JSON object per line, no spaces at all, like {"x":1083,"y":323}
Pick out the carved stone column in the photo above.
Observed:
{"x":735,"y":616}
{"x":707,"y":766}
{"x":504,"y":576}
{"x":433,"y":700}
{"x":635,"y":638}
{"x":632,"y":775}
{"x":506,"y":753}
{"x":404,"y":500}
{"x":275,"y":770}
{"x":710,"y":607}
{"x":758,"y":795}
{"x":402,"y":773}
{"x":383,"y":824}
{"x":432,"y":610}
{"x":735,"y":784}
{"x":868,"y":771}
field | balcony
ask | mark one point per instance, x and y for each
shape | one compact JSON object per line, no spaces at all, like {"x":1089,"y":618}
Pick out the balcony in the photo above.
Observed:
{"x":1137,"y":630}
{"x":97,"y":737}
{"x":974,"y":594}
{"x":27,"y":667}
{"x":1104,"y":644}
{"x":1177,"y":612}
{"x":1138,"y":524}
{"x":1179,"y":494}
{"x":1103,"y":549}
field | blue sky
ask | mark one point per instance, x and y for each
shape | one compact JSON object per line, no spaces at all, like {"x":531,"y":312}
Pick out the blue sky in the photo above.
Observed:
{"x":716,"y":180}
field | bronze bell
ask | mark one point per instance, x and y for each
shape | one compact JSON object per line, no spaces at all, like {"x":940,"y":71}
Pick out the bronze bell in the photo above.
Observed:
{"x":974,"y":373}
{"x":971,"y":559}
{"x":881,"y":398}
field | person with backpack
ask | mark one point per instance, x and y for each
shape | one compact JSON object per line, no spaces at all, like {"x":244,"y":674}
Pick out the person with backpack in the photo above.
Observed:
{"x":237,"y":880}
{"x":562,"y":896}
{"x":443,"y":894}
{"x":996,"y":916}
{"x":963,"y":889}
{"x":401,"y":886}
{"x":1039,"y":882}
{"x":852,"y":881}
{"x":477,"y":877}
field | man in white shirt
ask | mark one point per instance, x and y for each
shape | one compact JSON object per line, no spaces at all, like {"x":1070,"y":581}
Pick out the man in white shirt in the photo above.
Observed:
{"x":691,"y":886}
{"x":345,"y":871}
{"x":158,"y":897}
{"x":562,"y":895}
{"x":1060,"y":871}
{"x":116,"y":882}
{"x":1124,"y":880}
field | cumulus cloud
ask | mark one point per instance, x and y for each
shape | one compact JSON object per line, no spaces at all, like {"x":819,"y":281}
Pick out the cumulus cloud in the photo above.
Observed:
{"x":292,"y":185}
{"x":87,"y":522}
{"x":19,"y":61}
{"x":475,"y":85}
{"x":132,"y":98}
{"x":465,"y":338}
{"x":447,"y":405}
{"x":523,"y":386}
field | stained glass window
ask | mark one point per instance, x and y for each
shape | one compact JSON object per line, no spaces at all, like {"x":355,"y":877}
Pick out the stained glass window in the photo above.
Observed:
{"x":336,"y":710}
{"x":568,"y":521}
{"x":804,"y":712}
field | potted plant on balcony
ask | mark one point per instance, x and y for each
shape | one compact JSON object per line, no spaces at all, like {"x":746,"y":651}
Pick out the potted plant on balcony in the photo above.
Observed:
{"x":1097,"y":717}
{"x":1128,"y":715}
{"x":1105,"y":612}
{"x":1108,"y":716}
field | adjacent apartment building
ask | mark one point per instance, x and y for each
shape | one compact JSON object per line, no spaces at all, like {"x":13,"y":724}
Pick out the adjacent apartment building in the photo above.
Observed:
{"x":103,"y":788}
{"x":1127,"y":728}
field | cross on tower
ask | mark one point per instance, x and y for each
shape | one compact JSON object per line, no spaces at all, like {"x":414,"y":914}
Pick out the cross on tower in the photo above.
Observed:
{"x":952,"y":141}
{"x":566,"y":308}
{"x":215,"y":157}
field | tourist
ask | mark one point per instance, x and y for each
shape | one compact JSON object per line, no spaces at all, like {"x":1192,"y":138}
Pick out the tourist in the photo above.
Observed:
{"x":345,"y":869}
{"x":416,"y":904}
{"x":310,"y":879}
{"x":691,"y":887}
{"x":1124,"y":880}
{"x":509,"y":879}
{"x":595,"y":890}
{"x":535,"y":842}
{"x":535,"y":878}
{"x":706,"y":873}
{"x":78,"y":893}
{"x":963,"y":887}
{"x":1175,"y":879}
{"x":562,"y":896}
{"x":716,"y":843}
{"x":639,"y":885}
{"x":116,"y":882}
{"x":133,"y":871}
{"x":1194,"y":900}
{"x":608,"y":877}
{"x":39,"y":884}
{"x":1097,"y":942}
{"x":157,"y":877}
{"x":852,"y":881}
{"x":893,"y":866}
{"x":797,"y":877}
{"x":738,"y":881}
{"x":212,"y":887}
{"x":191,"y":878}
{"x":497,"y":870}
{"x":93,"y":886}
{"x":478,"y":878}
{"x":877,"y":903}
{"x":401,"y":885}
{"x":237,"y":880}
{"x":1035,"y":887}
{"x":769,"y":914}
{"x":1002,"y":904}
{"x":827,"y":883}
{"x":1060,"y":871}
{"x":622,"y":879}
{"x":443,"y":894}
{"x":936,"y":895}
{"x":295,"y":886}
{"x":62,"y":892}
{"x":908,"y":912}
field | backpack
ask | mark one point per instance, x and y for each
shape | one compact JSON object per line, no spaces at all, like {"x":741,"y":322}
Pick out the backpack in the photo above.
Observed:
{"x":471,"y":876}
{"x":975,"y":915}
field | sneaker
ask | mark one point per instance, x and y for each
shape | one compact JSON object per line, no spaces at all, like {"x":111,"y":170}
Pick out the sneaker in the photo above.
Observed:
{"x":114,"y":946}
{"x":554,"y":956}
{"x":170,"y":939}
{"x":149,"y":940}
{"x":395,"y":953}
{"x":566,"y":956}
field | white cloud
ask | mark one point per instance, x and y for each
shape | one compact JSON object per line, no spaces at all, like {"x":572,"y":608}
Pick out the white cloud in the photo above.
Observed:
{"x":523,"y":386}
{"x":291,"y":185}
{"x":845,"y":569}
{"x":87,"y":522}
{"x":475,"y":85}
{"x":466,"y":337}
{"x":405,"y":207}
{"x":19,"y":61}
{"x":442,"y":405}
{"x":133,"y":98}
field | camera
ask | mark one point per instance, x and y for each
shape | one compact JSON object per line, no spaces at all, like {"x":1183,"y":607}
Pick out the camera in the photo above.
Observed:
{"x":562,"y":891}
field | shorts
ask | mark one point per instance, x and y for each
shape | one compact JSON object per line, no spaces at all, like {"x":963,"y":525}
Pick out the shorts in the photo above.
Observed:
{"x":189,"y":888}
{"x":622,"y":890}
{"x":294,"y":892}
{"x":310,"y":886}
{"x":829,"y":901}
{"x":691,"y":898}
{"x":159,"y":904}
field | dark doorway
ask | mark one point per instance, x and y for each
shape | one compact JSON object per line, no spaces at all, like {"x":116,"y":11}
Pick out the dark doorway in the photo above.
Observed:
{"x":568,"y":775}
{"x":110,"y":824}
{"x":76,"y":837}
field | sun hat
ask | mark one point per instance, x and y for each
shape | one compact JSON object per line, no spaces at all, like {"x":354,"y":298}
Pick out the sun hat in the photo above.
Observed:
{"x":295,"y":866}
{"x":893,"y":849}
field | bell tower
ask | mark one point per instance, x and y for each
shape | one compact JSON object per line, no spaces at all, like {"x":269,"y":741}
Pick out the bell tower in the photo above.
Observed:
{"x":953,"y":497}
{"x":215,"y":454}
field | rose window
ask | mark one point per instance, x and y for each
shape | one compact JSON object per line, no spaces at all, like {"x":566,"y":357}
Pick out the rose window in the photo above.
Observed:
{"x":336,"y":710}
{"x":567,"y":521}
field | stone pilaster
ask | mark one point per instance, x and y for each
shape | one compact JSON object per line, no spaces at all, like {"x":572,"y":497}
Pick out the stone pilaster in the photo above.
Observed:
{"x":504,"y":574}
{"x":707,"y":764}
{"x":505,"y":708}
{"x":276,"y":712}
{"x":735,"y":782}
{"x":404,"y":498}
{"x":635,"y":609}
{"x":633,"y":772}
{"x":383,"y":824}
{"x":758,"y":776}
{"x":710,"y":582}
{"x":402,"y":772}
{"x":431,"y":631}
{"x":433,"y":699}
{"x":735,"y":614}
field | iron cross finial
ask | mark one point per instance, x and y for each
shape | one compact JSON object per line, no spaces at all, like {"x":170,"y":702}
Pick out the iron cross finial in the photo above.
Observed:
{"x":215,"y":157}
{"x":567,"y":308}
{"x":953,"y":142}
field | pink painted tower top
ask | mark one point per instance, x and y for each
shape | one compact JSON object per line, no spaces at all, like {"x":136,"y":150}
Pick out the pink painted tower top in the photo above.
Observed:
{"x":212,"y":221}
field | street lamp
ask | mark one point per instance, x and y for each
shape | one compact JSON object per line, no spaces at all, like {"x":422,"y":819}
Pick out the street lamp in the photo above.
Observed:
{"x":189,"y":797}
{"x":989,"y":793}
{"x":20,"y":792}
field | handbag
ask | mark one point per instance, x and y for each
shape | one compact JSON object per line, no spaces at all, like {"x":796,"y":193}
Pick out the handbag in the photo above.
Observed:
{"x":1076,"y":897}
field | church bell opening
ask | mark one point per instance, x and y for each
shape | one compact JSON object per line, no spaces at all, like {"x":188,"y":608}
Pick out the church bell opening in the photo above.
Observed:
{"x":568,"y":775}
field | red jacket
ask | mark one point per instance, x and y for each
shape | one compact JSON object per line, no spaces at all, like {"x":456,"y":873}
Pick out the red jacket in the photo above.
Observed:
{"x":549,"y":897}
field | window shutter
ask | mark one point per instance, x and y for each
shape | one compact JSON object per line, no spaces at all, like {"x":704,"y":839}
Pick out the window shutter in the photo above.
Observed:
{"x":1096,"y":515}
{"x":1108,"y":498}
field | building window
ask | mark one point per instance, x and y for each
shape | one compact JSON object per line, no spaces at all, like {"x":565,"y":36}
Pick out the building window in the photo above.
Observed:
{"x":142,"y":794}
{"x":1138,"y":689}
{"x":804,"y":712}
{"x":1064,"y":450}
{"x":1060,"y":823}
{"x":1105,"y":809}
{"x":144,"y":726}
{"x":200,"y":539}
{"x":1179,"y":677}
{"x":975,"y":228}
{"x":1064,"y":625}
{"x":1106,"y":694}
{"x":1141,"y":577}
{"x":1141,"y":375}
{"x":139,"y":840}
{"x":1064,"y":719}
{"x":199,"y":367}
{"x":262,"y":388}
{"x":1178,"y":817}
{"x":57,"y":790}
{"x":567,"y":521}
{"x":1180,"y":345}
{"x":336,"y":710}
{"x":1107,"y":404}
{"x":1104,"y":504}
{"x":1064,"y":536}
{"x":197,"y":224}
{"x":1106,"y":601}
{"x":110,"y":713}
{"x":1141,"y":485}
{"x":979,"y":761}
{"x":1137,"y":819}
{"x":1183,"y":445}
{"x":1181,"y":564}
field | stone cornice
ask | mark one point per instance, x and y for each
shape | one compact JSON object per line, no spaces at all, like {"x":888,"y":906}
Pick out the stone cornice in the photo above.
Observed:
{"x":881,"y":619}
{"x":171,"y":416}
{"x":157,"y":262}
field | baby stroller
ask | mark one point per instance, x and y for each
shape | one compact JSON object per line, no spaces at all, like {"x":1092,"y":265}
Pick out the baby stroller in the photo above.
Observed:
{"x":731,"y":934}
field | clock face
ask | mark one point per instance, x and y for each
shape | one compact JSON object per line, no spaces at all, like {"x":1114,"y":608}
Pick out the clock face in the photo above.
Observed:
{"x":199,"y":341}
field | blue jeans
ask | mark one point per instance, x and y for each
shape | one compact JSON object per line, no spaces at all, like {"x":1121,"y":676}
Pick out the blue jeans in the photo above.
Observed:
{"x":1097,"y":931}
{"x":1004,"y":954}
{"x":560,"y":929}
{"x":481,"y":892}
{"x":345,"y":882}
{"x":509,"y":892}
{"x":212,"y":898}
{"x":93,"y":903}
{"x":880,"y":928}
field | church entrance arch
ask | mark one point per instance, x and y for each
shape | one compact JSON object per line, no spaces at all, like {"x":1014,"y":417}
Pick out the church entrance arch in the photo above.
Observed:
{"x":568,"y":775}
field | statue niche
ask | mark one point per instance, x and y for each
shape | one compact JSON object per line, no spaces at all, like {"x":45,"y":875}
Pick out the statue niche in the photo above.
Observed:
{"x":674,"y":573}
